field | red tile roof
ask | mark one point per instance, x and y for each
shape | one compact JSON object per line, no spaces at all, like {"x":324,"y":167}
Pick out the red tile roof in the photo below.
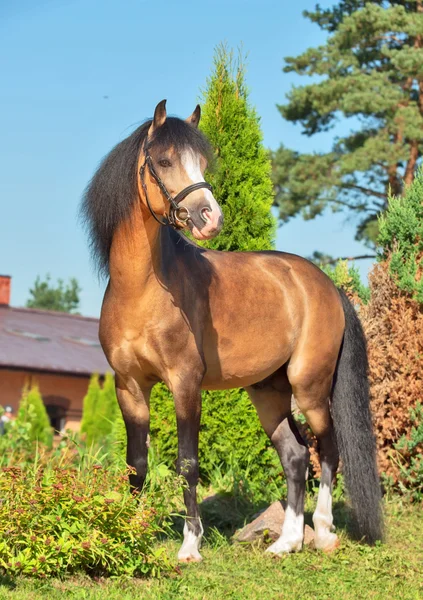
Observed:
{"x":50,"y":341}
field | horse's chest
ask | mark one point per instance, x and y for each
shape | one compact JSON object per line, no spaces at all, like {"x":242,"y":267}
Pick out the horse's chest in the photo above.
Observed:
{"x":148,"y":347}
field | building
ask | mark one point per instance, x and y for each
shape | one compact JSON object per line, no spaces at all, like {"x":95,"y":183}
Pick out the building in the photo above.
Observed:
{"x":57,"y":350}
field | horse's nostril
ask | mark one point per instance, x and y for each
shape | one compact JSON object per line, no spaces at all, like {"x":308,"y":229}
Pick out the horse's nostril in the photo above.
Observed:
{"x":205,"y":214}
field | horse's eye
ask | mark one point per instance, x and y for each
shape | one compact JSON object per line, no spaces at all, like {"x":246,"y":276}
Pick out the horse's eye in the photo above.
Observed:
{"x":165,"y":163}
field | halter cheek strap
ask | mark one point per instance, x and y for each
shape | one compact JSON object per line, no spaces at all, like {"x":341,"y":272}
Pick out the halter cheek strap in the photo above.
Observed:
{"x":178,"y":215}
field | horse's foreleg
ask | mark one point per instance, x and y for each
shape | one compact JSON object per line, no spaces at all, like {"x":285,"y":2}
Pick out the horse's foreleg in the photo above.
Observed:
{"x":188,"y":413}
{"x":274,"y":410}
{"x":134,"y":404}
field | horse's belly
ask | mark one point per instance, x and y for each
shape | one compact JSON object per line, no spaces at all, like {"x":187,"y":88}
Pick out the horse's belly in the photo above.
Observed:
{"x":231,"y":365}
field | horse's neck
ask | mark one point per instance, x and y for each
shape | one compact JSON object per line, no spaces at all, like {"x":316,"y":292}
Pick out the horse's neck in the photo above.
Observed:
{"x":135,"y":254}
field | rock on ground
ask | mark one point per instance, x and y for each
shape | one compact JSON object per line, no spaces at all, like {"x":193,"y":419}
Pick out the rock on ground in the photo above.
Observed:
{"x":269,"y":523}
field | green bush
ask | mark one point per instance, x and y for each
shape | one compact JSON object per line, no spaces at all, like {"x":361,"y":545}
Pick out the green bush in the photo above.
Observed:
{"x":99,"y":411}
{"x":32,"y":418}
{"x":241,"y":177}
{"x":411,"y":446}
{"x":106,"y":408}
{"x":230,"y":433}
{"x":401,"y":238}
{"x":89,"y":408}
{"x":57,"y":519}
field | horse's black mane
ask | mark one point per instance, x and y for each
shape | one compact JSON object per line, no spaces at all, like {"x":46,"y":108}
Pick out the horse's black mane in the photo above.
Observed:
{"x":109,"y":196}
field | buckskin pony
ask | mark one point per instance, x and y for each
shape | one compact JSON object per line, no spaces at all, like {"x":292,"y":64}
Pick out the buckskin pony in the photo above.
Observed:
{"x":270,"y":322}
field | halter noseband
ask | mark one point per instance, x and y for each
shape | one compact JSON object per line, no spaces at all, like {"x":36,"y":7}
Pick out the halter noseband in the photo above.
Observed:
{"x":178,"y":215}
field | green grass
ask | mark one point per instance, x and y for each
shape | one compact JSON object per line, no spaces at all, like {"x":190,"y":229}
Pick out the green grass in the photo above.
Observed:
{"x":391,"y":571}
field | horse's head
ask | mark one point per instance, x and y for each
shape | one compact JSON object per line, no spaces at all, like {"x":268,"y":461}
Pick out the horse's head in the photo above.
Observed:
{"x":171,"y":165}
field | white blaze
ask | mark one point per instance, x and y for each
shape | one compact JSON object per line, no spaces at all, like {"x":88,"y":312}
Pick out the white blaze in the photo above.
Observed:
{"x":191,"y":164}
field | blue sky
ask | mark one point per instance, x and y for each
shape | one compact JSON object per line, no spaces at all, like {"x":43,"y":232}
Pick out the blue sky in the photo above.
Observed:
{"x":78,"y":75}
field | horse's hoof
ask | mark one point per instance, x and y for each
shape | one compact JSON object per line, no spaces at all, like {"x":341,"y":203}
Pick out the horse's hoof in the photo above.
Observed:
{"x":327,"y":543}
{"x":284,"y":547}
{"x":190,"y":559}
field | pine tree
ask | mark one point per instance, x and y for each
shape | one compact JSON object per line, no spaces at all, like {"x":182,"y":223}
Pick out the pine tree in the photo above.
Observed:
{"x":370,"y":69}
{"x":33,"y":411}
{"x":241,"y":177}
{"x":60,"y":298}
{"x":90,"y":403}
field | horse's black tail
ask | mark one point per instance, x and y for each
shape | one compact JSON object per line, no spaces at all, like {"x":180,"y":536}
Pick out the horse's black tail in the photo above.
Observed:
{"x":353,"y":428}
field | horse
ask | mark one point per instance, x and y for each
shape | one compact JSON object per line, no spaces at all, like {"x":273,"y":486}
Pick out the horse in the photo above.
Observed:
{"x":270,"y":322}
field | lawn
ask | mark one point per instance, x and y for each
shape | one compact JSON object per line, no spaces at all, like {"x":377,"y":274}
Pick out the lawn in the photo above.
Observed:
{"x":393,"y":570}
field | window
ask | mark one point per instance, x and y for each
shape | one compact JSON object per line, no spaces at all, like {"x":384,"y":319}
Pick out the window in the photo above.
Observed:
{"x":57,"y":408}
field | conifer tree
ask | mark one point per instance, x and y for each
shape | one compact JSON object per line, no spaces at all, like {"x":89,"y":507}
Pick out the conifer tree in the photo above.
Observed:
{"x":119,"y":437}
{"x":370,"y":69}
{"x":88,"y":423}
{"x":33,"y":411}
{"x":401,"y":238}
{"x":106,"y":409}
{"x":241,"y":177}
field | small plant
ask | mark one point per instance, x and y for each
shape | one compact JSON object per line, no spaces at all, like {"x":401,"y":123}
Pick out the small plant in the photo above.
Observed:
{"x":411,"y":447}
{"x":347,"y":278}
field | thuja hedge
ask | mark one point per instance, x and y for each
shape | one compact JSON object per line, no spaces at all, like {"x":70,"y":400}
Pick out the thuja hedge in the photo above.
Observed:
{"x":230,"y":434}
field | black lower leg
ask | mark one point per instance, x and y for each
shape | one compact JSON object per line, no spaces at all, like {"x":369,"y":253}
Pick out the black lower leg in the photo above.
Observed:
{"x":136,"y":415}
{"x":294,"y":456}
{"x":187,"y":466}
{"x":329,"y":458}
{"x":137,"y":453}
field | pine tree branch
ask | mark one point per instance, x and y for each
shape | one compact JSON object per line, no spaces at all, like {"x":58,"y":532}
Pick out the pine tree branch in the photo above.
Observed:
{"x":364,"y":190}
{"x":333,"y":261}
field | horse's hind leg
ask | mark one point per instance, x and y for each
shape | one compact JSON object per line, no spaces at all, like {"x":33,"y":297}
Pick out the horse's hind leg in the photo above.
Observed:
{"x":134,"y":404}
{"x":313,"y":401}
{"x":274,"y":410}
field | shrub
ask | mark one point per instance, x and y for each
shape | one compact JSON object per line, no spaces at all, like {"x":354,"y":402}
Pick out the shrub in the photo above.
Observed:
{"x":99,"y":411}
{"x":106,"y":409}
{"x":393,"y":323}
{"x":57,"y":519}
{"x":410,"y":448}
{"x":88,"y":422}
{"x":401,"y":238}
{"x":32,"y":417}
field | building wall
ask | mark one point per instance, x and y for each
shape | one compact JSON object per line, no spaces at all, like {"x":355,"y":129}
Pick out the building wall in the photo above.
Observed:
{"x":65,"y":387}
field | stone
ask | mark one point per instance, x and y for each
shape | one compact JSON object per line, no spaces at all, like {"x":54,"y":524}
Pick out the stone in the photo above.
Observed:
{"x":269,"y":523}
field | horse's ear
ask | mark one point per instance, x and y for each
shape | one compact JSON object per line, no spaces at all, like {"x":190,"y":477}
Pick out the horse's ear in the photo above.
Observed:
{"x":159,"y":117}
{"x":194,"y":119}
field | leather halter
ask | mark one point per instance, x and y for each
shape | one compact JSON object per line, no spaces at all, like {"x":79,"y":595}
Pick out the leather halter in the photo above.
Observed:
{"x":178,"y":216}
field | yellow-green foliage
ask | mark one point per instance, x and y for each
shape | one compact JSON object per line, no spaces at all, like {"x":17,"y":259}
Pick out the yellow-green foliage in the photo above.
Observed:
{"x":57,"y":518}
{"x":347,"y":278}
